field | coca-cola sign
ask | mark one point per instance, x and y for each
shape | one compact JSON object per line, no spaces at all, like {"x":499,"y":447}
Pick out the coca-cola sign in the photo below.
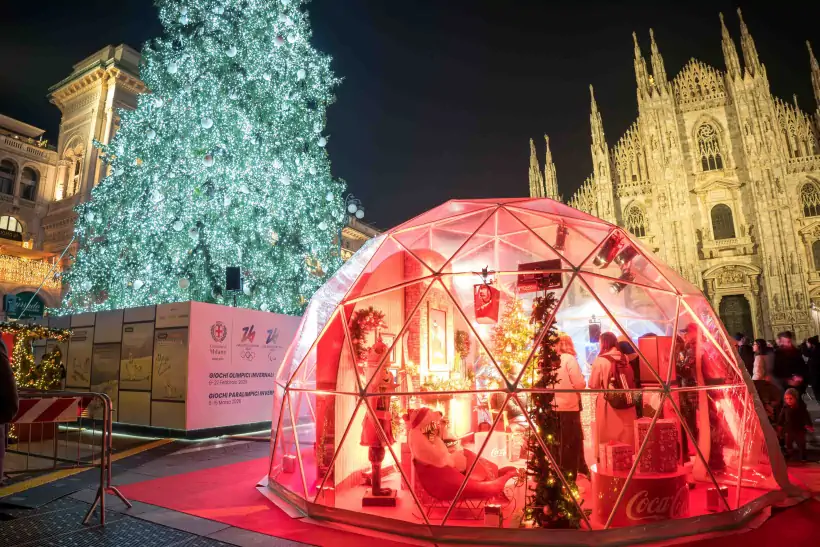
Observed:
{"x":648,"y":497}
{"x":643,"y":506}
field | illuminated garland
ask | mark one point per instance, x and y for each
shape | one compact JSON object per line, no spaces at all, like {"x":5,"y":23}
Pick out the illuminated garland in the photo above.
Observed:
{"x":550,"y":504}
{"x":27,"y":373}
{"x":223,"y":164}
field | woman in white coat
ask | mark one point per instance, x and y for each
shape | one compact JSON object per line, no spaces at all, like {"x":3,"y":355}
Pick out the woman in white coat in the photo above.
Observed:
{"x":571,"y":455}
{"x":610,"y":424}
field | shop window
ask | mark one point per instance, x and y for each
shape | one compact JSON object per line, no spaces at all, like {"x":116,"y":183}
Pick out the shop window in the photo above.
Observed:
{"x":11,"y":224}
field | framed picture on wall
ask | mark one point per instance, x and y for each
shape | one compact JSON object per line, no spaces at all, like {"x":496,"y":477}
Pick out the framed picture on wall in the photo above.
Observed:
{"x":437,"y":339}
{"x":388,"y":340}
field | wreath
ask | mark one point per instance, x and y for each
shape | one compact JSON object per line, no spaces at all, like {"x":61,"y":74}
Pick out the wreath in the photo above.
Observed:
{"x":362,"y":323}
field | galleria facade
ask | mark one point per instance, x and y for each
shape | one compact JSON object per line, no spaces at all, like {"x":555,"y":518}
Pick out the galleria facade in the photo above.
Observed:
{"x":721,"y":180}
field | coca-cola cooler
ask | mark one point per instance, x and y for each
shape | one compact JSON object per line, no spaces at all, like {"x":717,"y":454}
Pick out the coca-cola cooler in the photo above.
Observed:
{"x":648,"y":498}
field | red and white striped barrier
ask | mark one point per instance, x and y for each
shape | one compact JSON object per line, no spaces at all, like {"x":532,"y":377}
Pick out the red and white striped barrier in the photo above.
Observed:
{"x":47,"y":409}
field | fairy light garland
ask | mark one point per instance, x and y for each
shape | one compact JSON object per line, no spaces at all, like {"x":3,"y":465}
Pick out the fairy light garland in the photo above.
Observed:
{"x":226,"y":150}
{"x":27,"y":373}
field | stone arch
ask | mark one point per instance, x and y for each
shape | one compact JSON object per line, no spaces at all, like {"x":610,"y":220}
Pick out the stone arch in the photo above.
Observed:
{"x":9,"y":172}
{"x":74,"y":155}
{"x":30,"y":183}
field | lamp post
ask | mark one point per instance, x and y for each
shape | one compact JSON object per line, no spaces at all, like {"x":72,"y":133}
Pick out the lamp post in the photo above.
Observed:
{"x":353,"y":206}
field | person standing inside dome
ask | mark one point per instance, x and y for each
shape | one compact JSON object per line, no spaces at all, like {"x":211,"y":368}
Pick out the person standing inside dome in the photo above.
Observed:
{"x":611,"y":424}
{"x":568,"y":405}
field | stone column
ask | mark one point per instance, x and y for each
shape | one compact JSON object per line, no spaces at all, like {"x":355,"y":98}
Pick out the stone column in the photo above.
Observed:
{"x":60,"y":180}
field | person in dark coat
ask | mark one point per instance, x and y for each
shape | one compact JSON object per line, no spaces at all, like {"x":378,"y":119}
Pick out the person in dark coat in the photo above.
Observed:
{"x":8,"y":402}
{"x":793,"y":423}
{"x":790,"y":369}
{"x":811,"y":350}
{"x":747,"y":354}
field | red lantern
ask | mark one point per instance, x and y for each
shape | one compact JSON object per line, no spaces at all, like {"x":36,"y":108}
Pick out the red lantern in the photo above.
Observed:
{"x":486,"y":300}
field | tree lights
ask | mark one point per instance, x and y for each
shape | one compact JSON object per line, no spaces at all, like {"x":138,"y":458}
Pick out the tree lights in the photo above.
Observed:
{"x":224,"y":153}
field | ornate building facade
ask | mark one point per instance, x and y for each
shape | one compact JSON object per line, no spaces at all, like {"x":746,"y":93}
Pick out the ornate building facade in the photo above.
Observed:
{"x":41,"y":184}
{"x":721,"y":180}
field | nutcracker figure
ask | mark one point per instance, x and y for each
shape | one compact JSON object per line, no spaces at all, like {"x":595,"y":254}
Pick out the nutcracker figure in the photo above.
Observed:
{"x":384,"y":385}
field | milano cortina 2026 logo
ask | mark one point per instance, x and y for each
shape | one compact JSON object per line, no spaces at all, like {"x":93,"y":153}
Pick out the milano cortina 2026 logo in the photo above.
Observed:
{"x":219,"y":332}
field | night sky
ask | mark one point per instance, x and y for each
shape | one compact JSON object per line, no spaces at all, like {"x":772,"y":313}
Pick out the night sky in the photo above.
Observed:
{"x":440,"y":97}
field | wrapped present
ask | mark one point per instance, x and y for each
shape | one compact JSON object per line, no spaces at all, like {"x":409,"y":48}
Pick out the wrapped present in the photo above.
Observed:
{"x":493,"y":516}
{"x":661,"y":452}
{"x":618,"y":456}
{"x":713,"y":495}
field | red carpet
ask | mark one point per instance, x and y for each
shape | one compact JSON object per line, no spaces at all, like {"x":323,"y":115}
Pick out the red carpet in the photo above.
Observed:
{"x":793,"y":527}
{"x":227,"y":494}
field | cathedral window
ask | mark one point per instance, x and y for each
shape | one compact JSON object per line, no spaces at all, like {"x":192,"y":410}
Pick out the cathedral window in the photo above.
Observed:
{"x":810,"y":200}
{"x":29,"y":180}
{"x":635,"y":221}
{"x":723,"y":225}
{"x":815,"y":252}
{"x":709,"y":148}
{"x":8,"y":172}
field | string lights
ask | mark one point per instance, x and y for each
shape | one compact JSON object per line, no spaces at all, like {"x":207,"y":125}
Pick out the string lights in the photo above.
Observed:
{"x":27,"y":373}
{"x":222,"y":164}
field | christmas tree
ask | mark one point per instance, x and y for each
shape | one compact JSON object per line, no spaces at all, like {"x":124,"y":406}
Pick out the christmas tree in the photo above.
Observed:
{"x":27,"y":373}
{"x":550,"y":503}
{"x":222,"y":164}
{"x":512,"y":340}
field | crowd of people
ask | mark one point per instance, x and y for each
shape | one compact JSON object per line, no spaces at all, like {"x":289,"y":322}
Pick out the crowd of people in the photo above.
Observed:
{"x":782,"y":373}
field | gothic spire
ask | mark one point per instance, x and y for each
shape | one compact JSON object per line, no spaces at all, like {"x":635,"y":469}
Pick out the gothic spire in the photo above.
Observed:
{"x":815,"y":75}
{"x":597,"y":125}
{"x":750,"y":59}
{"x":641,"y":76}
{"x":550,"y":178}
{"x":536,"y":180}
{"x":729,"y":51}
{"x":658,"y":69}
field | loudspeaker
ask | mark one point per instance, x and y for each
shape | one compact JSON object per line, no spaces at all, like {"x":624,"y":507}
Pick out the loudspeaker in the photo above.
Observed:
{"x":233,"y":279}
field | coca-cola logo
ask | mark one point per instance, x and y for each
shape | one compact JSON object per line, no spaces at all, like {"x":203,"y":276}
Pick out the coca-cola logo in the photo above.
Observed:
{"x":643,"y":507}
{"x":498,"y":452}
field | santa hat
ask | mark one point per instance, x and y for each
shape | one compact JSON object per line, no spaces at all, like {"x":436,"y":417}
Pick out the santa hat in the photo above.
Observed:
{"x":417,"y":416}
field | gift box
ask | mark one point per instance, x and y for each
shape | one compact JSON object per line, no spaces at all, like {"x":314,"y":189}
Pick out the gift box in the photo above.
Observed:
{"x":493,"y":516}
{"x":713,"y":501}
{"x":618,"y":456}
{"x":661,"y":452}
{"x":288,"y":463}
{"x":516,"y":446}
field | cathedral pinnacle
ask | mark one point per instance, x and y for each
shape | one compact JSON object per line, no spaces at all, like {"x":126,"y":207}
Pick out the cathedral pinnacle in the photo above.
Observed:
{"x":550,"y":178}
{"x":536,"y":180}
{"x":658,"y":68}
{"x":750,"y":59}
{"x":641,"y":75}
{"x":729,"y":50}
{"x":815,"y":75}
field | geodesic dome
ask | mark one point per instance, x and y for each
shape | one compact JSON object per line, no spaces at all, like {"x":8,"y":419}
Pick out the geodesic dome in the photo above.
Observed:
{"x":435,"y":314}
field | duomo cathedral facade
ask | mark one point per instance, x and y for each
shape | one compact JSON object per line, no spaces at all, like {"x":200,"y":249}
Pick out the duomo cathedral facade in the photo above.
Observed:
{"x":721,"y":180}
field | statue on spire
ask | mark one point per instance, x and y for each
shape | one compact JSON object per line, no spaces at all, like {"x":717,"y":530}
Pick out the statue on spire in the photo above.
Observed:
{"x":658,"y":68}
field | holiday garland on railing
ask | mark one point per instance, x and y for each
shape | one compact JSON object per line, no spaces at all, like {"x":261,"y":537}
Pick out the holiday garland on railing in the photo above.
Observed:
{"x":27,"y":373}
{"x":550,"y":504}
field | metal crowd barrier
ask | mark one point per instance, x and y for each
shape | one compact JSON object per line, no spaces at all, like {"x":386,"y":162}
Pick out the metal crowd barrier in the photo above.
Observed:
{"x":45,"y":415}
